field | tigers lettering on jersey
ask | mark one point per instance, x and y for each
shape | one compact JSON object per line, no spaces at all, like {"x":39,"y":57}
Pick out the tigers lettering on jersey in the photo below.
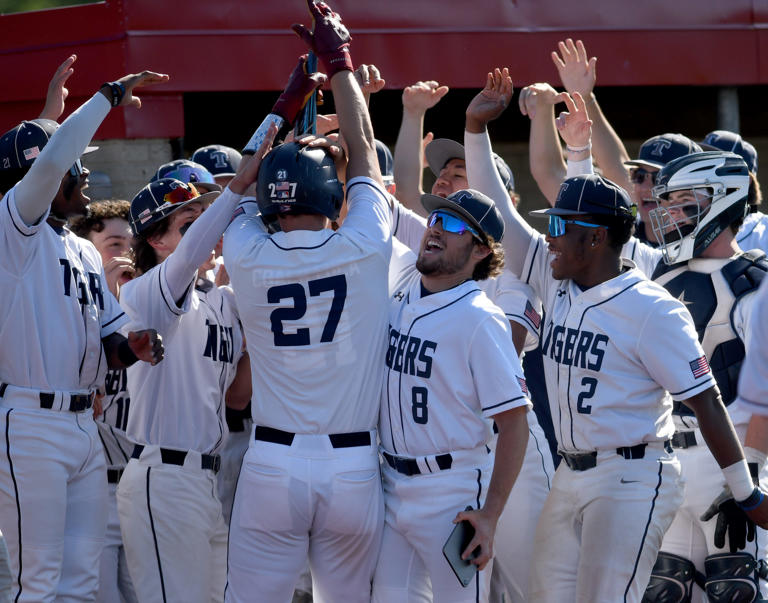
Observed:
{"x":75,"y":285}
{"x":410,"y":355}
{"x":219,"y":345}
{"x":574,"y":347}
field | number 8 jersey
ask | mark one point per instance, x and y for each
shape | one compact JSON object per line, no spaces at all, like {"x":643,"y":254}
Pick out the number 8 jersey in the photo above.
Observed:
{"x":314,"y":310}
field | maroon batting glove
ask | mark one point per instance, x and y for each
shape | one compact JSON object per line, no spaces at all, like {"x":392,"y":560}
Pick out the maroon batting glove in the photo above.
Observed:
{"x":297,"y":91}
{"x":328,"y":38}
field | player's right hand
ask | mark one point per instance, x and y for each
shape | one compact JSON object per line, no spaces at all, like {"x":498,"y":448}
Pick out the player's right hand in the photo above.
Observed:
{"x":147,"y":345}
{"x":422,"y":96}
{"x":329,"y":39}
{"x":731,"y":520}
{"x":491,"y":101}
{"x":297,"y":91}
{"x":134,"y":80}
{"x":538,"y":95}
{"x":248,"y":170}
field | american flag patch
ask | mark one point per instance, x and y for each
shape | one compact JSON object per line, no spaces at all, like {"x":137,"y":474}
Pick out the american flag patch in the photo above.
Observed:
{"x":523,"y":385}
{"x":30,"y":154}
{"x":699,"y":367}
{"x":532,"y":315}
{"x":238,"y":212}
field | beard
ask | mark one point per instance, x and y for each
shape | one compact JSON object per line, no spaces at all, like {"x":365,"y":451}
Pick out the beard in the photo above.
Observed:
{"x":443,"y":265}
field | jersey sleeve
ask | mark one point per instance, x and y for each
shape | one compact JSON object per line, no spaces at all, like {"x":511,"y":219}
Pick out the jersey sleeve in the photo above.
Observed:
{"x":148,"y":301}
{"x":753,"y":379}
{"x":246,"y":230}
{"x":18,"y":238}
{"x":536,"y":270}
{"x":519,"y":303}
{"x":645,"y":257}
{"x":407,"y":226}
{"x":495,"y":367}
{"x":368,"y":221}
{"x":669,"y":348}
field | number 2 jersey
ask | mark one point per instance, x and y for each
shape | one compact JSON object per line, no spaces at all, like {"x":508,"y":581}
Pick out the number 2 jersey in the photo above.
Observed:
{"x":611,"y":355}
{"x":314,"y":310}
{"x":450,"y":366}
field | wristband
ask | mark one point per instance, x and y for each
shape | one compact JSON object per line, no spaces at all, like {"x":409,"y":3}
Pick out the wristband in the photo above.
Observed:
{"x":752,"y":501}
{"x":125,"y":354}
{"x":739,"y":480}
{"x":117,"y":90}
{"x":586,"y":147}
{"x":337,"y":60}
{"x":261,"y":132}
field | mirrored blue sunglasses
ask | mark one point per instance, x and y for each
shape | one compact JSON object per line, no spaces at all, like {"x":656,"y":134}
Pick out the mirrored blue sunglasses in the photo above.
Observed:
{"x":77,"y":169}
{"x":557,"y":225}
{"x":451,"y":223}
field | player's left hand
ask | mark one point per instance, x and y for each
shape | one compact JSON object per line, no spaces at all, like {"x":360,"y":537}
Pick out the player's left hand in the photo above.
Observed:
{"x":147,"y":345}
{"x":135,"y":80}
{"x":731,"y":520}
{"x":328,"y":38}
{"x":369,"y":79}
{"x":577,"y":72}
{"x":485,"y":529}
{"x":98,"y":406}
{"x":57,"y":93}
{"x":574,"y":125}
{"x":491,"y":101}
{"x":297,"y":91}
{"x":248,"y":170}
{"x":335,"y":146}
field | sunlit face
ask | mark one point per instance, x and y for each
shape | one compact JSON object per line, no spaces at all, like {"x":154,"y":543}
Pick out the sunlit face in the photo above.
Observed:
{"x":179,"y":221}
{"x":683,"y":209}
{"x":452,"y":178}
{"x":569,"y":253}
{"x":643,"y":180}
{"x":114,"y":240}
{"x":443,"y":253}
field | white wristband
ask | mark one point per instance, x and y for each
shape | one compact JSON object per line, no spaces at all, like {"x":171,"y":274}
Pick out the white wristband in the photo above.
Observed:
{"x":586,"y":147}
{"x":576,"y":168}
{"x":261,"y":132}
{"x":739,"y":480}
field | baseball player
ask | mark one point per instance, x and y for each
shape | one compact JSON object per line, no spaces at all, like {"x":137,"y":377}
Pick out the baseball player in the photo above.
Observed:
{"x":219,"y":160}
{"x":313,"y":302}
{"x":58,"y":338}
{"x":106,"y":226}
{"x":702,"y":201}
{"x":442,"y":374}
{"x":188,"y":171}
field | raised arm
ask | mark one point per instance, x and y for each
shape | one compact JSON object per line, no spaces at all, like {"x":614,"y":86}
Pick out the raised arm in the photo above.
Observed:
{"x":408,"y":166}
{"x":578,"y":73}
{"x":57,"y":93}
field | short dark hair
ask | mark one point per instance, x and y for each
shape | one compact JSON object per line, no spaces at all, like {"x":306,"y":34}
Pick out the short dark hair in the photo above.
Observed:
{"x":145,"y":257}
{"x":755,"y":194}
{"x":98,"y":212}
{"x":620,"y":229}
{"x":492,"y":264}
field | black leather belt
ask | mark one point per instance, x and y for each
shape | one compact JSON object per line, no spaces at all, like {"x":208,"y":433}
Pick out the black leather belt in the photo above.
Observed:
{"x":77,"y":402}
{"x":114,"y":475}
{"x":169,"y":456}
{"x":684,"y":439}
{"x":411,"y":467}
{"x":582,"y":461}
{"x":338,"y":440}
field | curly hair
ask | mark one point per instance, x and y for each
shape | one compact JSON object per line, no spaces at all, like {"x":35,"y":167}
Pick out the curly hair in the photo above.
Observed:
{"x":492,"y":264}
{"x":98,"y":212}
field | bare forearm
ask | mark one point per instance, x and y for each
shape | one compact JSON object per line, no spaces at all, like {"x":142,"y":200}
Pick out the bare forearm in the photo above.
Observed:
{"x":607,"y":147}
{"x":510,"y":452}
{"x":716,"y":427}
{"x":757,"y":433}
{"x":407,"y":166}
{"x":355,"y":126}
{"x":546,"y":158}
{"x":239,"y":392}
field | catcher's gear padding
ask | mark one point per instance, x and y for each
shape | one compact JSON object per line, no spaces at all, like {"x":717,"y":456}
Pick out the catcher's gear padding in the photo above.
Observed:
{"x":671,"y":580}
{"x":731,"y":577}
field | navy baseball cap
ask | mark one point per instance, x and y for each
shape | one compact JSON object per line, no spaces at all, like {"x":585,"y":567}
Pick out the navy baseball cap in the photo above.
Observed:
{"x":590,"y":194}
{"x":218,"y":159}
{"x":725,"y":140}
{"x":477,"y":209}
{"x":658,"y":151}
{"x":441,"y":150}
{"x":187,"y":171}
{"x":386,"y":161}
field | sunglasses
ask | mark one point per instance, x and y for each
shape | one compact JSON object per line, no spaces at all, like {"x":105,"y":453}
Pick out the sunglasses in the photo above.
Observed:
{"x":557,"y":225}
{"x":451,"y":223}
{"x":639,"y":175}
{"x":77,"y":169}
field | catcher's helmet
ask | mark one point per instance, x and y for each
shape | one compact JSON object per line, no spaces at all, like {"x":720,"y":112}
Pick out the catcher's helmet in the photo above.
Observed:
{"x":187,"y":171}
{"x":218,"y":159}
{"x":719,"y":183}
{"x":159,"y":199}
{"x":295,"y":179}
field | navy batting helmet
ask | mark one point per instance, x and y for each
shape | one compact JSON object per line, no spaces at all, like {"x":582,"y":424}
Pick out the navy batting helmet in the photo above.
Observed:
{"x":19,"y":147}
{"x":159,"y":199}
{"x":295,"y":179}
{"x":187,"y":171}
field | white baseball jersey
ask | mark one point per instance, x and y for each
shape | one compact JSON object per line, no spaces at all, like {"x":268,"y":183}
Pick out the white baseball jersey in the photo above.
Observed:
{"x":753,"y":233}
{"x":610,"y":352}
{"x":179,"y":403}
{"x":642,"y":255}
{"x":314,"y":309}
{"x":450,"y":363}
{"x":55,"y":306}
{"x":753,"y":379}
{"x":113,"y":421}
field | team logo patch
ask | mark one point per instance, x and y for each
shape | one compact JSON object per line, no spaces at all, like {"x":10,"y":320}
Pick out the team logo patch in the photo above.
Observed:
{"x":399,"y":296}
{"x":532,"y":315}
{"x":659,"y":147}
{"x":699,"y":367}
{"x":523,"y":385}
{"x":144,"y":216}
{"x":31,"y":153}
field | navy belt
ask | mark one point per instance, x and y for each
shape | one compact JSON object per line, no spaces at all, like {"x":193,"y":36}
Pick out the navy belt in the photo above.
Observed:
{"x":338,"y":440}
{"x":684,"y":439}
{"x":77,"y":402}
{"x":581,"y":461}
{"x":411,"y":467}
{"x":114,"y":475}
{"x":169,"y":456}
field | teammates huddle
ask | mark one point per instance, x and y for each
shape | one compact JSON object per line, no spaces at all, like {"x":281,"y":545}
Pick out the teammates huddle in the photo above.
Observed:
{"x":378,"y":352}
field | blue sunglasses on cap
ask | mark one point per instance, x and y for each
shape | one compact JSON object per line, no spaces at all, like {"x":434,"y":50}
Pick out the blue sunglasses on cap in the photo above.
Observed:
{"x":451,"y":223}
{"x":557,"y":225}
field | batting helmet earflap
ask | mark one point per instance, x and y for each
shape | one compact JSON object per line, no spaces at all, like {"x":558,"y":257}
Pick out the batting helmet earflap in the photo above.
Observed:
{"x":296,"y":179}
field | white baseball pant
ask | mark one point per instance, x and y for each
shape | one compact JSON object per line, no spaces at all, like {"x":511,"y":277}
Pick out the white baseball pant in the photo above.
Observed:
{"x":306,"y":499}
{"x":232,"y":454}
{"x":600,"y":529}
{"x":114,"y":578}
{"x":419,"y":515}
{"x":173,"y":530}
{"x":53,"y":499}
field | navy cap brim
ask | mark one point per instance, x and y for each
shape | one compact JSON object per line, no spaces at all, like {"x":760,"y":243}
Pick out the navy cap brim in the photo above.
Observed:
{"x":434,"y":202}
{"x":207,"y":187}
{"x":643,"y":163}
{"x":555,"y":211}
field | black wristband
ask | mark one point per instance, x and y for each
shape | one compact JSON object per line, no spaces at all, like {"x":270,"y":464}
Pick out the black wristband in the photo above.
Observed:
{"x":125,"y":354}
{"x":117,"y":90}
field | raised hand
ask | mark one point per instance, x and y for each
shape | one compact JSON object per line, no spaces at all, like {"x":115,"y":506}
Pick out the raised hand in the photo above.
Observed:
{"x":369,"y":79}
{"x":328,"y":38}
{"x":248,"y":170}
{"x":422,"y":96}
{"x":538,"y":96}
{"x":577,"y":72}
{"x":57,"y":93}
{"x":491,"y":101}
{"x":574,"y":125}
{"x":136,"y":80}
{"x":297,"y":91}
